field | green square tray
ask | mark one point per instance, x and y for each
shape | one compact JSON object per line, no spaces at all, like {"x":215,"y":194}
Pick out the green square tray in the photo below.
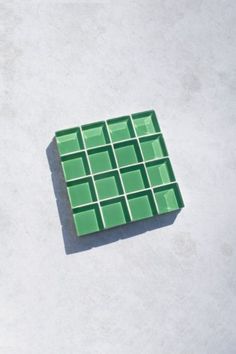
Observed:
{"x":117,"y":171}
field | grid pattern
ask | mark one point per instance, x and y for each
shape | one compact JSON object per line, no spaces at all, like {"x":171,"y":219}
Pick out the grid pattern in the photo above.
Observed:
{"x":117,"y":171}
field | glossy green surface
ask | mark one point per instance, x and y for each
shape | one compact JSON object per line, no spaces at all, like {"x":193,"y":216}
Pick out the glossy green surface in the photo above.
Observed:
{"x":69,"y":141}
{"x":145,"y":123}
{"x":117,"y":171}
{"x":168,"y":198}
{"x":87,"y":220}
{"x":160,"y":172}
{"x":108,"y":185}
{"x":95,"y":135}
{"x":153,"y":147}
{"x":75,"y":166}
{"x":120,"y":128}
{"x":142,"y":205}
{"x":115,"y":212}
{"x":101,"y":160}
{"x":127,"y":153}
{"x":81,"y":192}
{"x":134,"y":178}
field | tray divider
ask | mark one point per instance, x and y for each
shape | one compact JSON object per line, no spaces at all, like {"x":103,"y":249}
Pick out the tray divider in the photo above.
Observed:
{"x":94,"y":184}
{"x":150,"y":185}
{"x":118,"y":169}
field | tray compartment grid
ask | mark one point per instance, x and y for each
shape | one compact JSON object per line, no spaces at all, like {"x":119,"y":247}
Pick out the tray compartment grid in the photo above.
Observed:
{"x":117,"y":171}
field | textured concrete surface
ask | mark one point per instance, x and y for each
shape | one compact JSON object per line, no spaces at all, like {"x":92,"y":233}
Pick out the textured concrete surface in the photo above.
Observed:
{"x":164,"y":287}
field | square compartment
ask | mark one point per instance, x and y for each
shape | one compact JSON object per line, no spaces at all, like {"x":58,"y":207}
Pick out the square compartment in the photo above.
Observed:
{"x":75,"y":166}
{"x":168,"y":198}
{"x":95,"y":134}
{"x":127,"y":153}
{"x":120,"y":128}
{"x":87,"y":219}
{"x":160,"y":172}
{"x":101,"y":159}
{"x":142,"y":205}
{"x":115,"y":212}
{"x":108,"y":185}
{"x":134,"y":178}
{"x":69,"y":140}
{"x":153,"y":147}
{"x":145,"y":123}
{"x":81,"y":192}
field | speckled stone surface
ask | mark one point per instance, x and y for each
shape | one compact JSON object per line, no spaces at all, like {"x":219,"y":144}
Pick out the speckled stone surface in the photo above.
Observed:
{"x":167,"y":286}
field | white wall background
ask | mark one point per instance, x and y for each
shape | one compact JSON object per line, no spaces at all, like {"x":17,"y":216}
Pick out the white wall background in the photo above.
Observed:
{"x":167,"y":290}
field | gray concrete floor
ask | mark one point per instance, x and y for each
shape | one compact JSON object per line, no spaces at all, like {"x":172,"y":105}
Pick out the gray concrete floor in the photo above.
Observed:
{"x":165,"y":286}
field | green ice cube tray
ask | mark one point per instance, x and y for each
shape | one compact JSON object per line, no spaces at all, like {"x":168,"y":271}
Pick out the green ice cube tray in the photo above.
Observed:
{"x":117,"y":171}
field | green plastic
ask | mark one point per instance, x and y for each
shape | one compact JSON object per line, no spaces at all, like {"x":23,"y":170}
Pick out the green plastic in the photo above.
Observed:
{"x":95,"y":134}
{"x":134,"y":178}
{"x":101,"y":159}
{"x":81,"y":192}
{"x":115,"y":212}
{"x":145,"y":123}
{"x":69,"y":140}
{"x":160,"y":172}
{"x":142,"y":205}
{"x":168,"y":198}
{"x":120,"y":128}
{"x":108,"y":185}
{"x":127,"y":153}
{"x":153,"y":147}
{"x":117,"y":171}
{"x":75,"y":166}
{"x":87,"y":219}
